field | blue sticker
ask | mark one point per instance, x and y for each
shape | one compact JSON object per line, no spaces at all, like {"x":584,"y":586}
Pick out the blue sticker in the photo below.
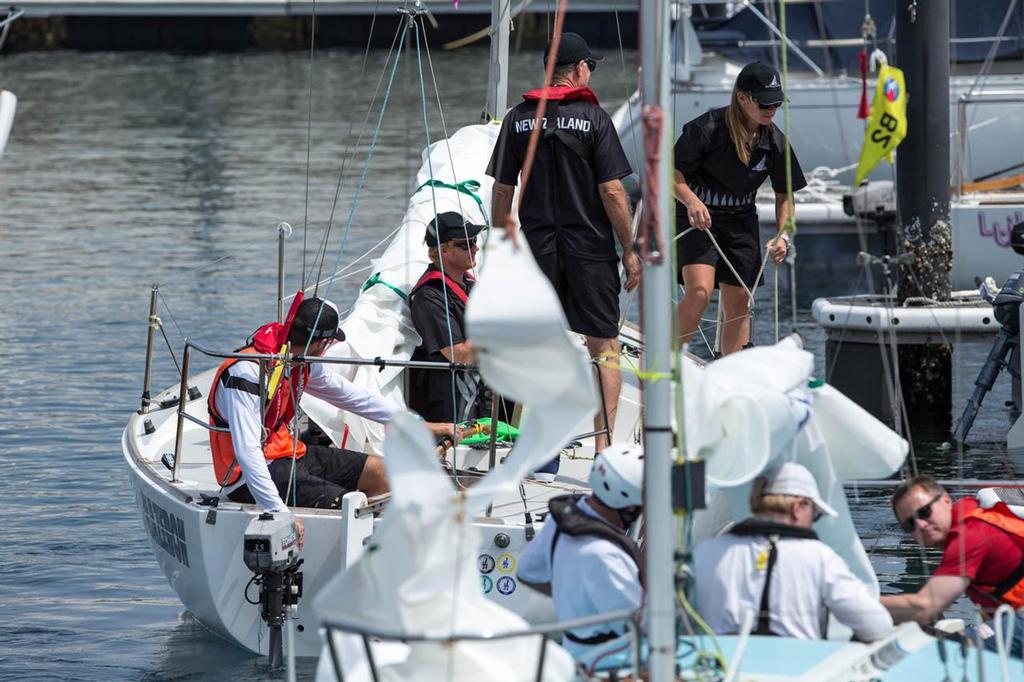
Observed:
{"x":486,"y":583}
{"x":506,"y":585}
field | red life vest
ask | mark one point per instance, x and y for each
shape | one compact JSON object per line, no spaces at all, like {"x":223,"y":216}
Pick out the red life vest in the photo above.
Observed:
{"x":456,"y":288}
{"x":276,"y":425}
{"x":1010,"y":590}
{"x":561,"y":93}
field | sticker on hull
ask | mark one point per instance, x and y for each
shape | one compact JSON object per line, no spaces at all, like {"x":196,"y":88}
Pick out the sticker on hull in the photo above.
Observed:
{"x":166,"y":529}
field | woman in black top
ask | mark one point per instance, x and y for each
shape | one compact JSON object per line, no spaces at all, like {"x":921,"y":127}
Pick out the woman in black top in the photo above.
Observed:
{"x":722,"y":157}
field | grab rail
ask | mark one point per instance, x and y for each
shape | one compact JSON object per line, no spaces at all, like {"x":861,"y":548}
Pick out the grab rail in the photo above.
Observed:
{"x":1007,"y":97}
{"x":544,"y":631}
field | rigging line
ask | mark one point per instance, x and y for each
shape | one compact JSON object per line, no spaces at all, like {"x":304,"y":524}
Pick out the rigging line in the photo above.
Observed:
{"x":447,"y":139}
{"x":322,"y":249}
{"x":369,"y":154}
{"x":309,"y":139}
{"x":369,"y":38}
{"x":531,"y":147}
{"x":416,"y":27}
{"x":629,"y":107}
{"x":986,"y":67}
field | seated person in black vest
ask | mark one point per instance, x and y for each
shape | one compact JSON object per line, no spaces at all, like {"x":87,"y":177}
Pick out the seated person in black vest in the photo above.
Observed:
{"x":438,"y":308}
{"x":773,"y":569}
{"x":583,"y":557}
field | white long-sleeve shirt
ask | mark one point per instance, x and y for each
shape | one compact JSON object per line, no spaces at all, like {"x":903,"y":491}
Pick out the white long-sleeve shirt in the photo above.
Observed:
{"x":809,"y":579}
{"x":241,"y":410}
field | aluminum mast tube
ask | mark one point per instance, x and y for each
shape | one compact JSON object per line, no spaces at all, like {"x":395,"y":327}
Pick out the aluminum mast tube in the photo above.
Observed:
{"x":658,"y":316}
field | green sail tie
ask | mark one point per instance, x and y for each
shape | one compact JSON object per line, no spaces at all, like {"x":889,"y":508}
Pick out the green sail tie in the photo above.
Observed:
{"x":467,"y":187}
{"x":375,"y":278}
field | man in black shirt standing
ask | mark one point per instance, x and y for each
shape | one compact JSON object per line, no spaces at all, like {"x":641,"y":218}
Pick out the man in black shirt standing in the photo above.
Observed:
{"x":438,"y":308}
{"x":574,"y":206}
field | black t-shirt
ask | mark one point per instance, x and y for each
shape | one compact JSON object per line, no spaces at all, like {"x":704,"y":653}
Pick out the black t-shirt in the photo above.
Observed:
{"x":430,"y":390}
{"x":707,"y":159}
{"x":562,"y":192}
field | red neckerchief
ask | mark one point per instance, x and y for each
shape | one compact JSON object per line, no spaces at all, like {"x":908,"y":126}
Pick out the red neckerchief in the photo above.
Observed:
{"x":561,"y":93}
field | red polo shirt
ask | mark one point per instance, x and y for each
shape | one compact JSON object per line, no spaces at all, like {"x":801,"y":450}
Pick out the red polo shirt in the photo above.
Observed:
{"x":979,"y":551}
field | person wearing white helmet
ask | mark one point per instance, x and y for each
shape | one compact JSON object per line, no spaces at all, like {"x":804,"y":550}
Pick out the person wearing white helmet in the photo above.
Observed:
{"x":583,"y":557}
{"x":773,"y":567}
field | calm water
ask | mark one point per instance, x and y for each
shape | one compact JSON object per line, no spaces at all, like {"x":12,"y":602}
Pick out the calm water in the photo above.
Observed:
{"x":129,"y":169}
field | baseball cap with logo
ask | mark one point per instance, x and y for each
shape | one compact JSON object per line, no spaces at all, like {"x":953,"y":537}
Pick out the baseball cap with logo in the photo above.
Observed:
{"x":572,"y":49}
{"x":793,"y":479}
{"x":762,"y":82}
{"x":316,"y":319}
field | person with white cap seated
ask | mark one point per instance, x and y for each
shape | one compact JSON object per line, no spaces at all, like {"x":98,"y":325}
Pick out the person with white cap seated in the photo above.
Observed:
{"x":774,"y":567}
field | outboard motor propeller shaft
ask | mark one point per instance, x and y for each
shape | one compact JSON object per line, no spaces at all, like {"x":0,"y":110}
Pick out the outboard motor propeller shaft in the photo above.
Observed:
{"x":271,"y":551}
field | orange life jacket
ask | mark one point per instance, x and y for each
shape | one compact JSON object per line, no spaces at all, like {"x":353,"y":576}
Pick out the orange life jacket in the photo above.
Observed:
{"x":279,"y":440}
{"x":1011,"y":589}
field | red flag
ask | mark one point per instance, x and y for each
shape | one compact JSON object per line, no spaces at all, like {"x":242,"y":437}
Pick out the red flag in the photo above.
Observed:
{"x":864,"y":111}
{"x":270,"y":337}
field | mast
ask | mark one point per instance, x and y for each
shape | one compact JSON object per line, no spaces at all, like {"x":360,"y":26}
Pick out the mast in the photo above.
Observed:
{"x":658,"y":315}
{"x":497,"y":75}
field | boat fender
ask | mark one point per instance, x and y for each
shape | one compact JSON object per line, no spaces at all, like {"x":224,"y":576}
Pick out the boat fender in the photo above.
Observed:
{"x":1013,"y":498}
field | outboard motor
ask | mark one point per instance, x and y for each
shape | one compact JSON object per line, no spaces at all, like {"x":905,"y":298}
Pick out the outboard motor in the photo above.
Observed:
{"x":271,"y":552}
{"x":1005,"y":351}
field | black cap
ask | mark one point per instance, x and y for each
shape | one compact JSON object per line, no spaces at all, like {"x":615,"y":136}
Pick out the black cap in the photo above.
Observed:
{"x":316,"y":319}
{"x":452,"y":226}
{"x":762,"y":82}
{"x":572,"y":49}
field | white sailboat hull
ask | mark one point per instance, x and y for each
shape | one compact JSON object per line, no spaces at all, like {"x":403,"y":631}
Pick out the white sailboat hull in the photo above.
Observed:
{"x":203,"y":562}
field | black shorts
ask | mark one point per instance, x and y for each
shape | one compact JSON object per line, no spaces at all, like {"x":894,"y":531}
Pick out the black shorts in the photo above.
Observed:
{"x":588,"y":290}
{"x":322,"y":476}
{"x":740,"y":241}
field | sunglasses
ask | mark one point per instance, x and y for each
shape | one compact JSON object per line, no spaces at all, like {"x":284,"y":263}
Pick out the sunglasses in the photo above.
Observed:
{"x":924,"y":513}
{"x":465,"y":245}
{"x":591,"y":64}
{"x":766,"y":107}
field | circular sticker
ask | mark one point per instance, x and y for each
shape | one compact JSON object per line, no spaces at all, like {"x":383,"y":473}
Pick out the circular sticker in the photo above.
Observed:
{"x":486,"y":583}
{"x":506,"y":563}
{"x":506,"y":585}
{"x":485,"y":562}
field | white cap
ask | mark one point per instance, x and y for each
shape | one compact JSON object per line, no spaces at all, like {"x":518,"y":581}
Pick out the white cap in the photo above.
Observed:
{"x":793,"y":479}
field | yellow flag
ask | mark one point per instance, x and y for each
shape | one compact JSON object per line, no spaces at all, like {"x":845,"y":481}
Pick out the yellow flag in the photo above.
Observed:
{"x":887,"y":125}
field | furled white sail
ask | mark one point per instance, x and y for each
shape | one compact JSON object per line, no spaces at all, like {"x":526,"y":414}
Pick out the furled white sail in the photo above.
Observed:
{"x":419,"y":575}
{"x":379,"y":324}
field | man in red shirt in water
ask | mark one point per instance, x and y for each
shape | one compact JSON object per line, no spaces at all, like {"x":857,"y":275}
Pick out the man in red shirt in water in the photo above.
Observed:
{"x":982,"y":555}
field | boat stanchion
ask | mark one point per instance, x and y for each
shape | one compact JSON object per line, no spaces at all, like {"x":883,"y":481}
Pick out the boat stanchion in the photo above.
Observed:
{"x":284,"y":231}
{"x":154,"y":322}
{"x":182,"y":406}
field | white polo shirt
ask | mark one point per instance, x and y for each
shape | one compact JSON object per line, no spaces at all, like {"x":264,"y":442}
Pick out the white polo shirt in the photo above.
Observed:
{"x":808,"y":579}
{"x":590,"y":575}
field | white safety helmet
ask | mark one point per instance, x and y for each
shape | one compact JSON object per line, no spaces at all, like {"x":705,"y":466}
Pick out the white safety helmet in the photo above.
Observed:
{"x":617,"y":477}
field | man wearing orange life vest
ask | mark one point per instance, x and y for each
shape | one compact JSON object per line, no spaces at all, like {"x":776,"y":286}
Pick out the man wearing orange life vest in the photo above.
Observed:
{"x":253,"y":471}
{"x":982,"y":555}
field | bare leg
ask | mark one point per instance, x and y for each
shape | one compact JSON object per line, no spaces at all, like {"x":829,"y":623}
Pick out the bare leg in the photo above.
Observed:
{"x":374,"y":479}
{"x":698,"y":281}
{"x":735,"y":309}
{"x":611,"y":382}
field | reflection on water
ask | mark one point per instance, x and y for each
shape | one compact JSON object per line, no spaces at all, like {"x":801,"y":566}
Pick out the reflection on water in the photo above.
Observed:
{"x":128,"y":169}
